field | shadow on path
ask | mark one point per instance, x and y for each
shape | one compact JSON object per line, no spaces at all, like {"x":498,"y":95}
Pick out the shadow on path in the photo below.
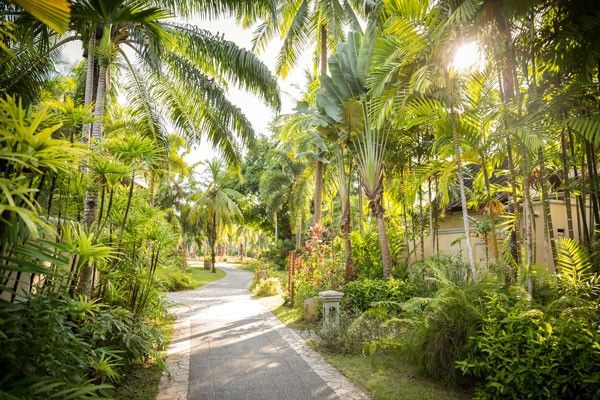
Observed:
{"x":237,"y":351}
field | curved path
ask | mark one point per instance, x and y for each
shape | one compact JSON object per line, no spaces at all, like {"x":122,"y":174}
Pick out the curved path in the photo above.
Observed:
{"x":228,"y":346}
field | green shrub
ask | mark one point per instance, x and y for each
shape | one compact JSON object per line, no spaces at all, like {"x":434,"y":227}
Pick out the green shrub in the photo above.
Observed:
{"x":278,"y":252}
{"x":76,"y":341}
{"x":267,"y":287}
{"x":525,"y":353}
{"x":173,"y":281}
{"x":429,"y":275}
{"x":440,"y":333}
{"x":366,"y":252}
{"x":320,"y":273}
{"x":360,"y":294}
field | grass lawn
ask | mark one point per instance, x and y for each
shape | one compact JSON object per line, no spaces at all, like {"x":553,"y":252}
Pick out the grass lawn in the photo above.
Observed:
{"x":384,"y":376}
{"x":388,"y":377}
{"x":251,"y":267}
{"x":203,"y":276}
{"x":292,"y":317}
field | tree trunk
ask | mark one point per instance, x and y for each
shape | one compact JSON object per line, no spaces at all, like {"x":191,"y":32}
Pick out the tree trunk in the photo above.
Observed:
{"x":91,"y":200}
{"x":592,"y":176}
{"x":318,"y":191}
{"x":127,"y":207}
{"x":421,"y":224}
{"x":299,"y":234}
{"x":320,"y":167}
{"x":509,"y":89}
{"x":346,"y":228}
{"x":383,"y":241}
{"x":461,"y":182}
{"x":566,"y":183}
{"x":486,"y":179}
{"x":546,"y":205}
{"x":376,"y":204}
{"x":360,"y":206}
{"x":213,"y":241}
{"x":276,"y":227}
{"x":89,"y":85}
{"x":431,"y":225}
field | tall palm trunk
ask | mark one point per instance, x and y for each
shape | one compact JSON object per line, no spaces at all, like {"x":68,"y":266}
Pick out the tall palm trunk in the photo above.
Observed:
{"x":100,"y":101}
{"x":91,"y":196}
{"x":375,"y":202}
{"x":346,"y":217}
{"x":566,"y":183}
{"x":488,"y":190}
{"x":549,"y":226}
{"x":127,"y":207}
{"x":509,"y":89}
{"x":346,"y":228}
{"x":319,"y":172}
{"x":431,"y":223}
{"x":461,"y":181}
{"x":320,"y":167}
{"x":89,"y":84}
{"x":299,"y":234}
{"x":212,"y":238}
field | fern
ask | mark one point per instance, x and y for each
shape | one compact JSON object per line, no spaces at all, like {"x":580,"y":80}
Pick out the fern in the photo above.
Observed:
{"x":573,"y":265}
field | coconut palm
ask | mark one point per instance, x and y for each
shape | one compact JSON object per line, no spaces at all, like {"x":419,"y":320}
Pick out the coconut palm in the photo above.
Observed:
{"x":301,"y":24}
{"x":286,"y":184}
{"x":187,"y":70}
{"x":216,"y":207}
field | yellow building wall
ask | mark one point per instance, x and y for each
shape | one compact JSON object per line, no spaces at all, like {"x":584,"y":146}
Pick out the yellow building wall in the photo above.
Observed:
{"x":451,"y":228}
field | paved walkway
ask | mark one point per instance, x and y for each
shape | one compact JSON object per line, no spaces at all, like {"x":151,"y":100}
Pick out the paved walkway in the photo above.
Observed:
{"x":228,"y":346}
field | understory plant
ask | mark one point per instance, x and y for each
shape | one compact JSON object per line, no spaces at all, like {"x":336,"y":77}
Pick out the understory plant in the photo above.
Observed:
{"x":79,"y":342}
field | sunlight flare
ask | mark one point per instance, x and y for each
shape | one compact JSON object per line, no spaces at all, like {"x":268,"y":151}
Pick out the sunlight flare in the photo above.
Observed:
{"x":468,"y":57}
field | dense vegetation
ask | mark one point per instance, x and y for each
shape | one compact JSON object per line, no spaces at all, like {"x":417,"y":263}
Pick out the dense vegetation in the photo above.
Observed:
{"x":419,"y":118}
{"x":94,"y":220}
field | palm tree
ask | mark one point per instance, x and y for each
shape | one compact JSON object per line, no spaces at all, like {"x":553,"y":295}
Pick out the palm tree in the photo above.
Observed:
{"x":300,"y":24}
{"x":343,"y":104}
{"x":186,"y":70}
{"x":216,"y":206}
{"x":286,"y":184}
{"x":417,"y":43}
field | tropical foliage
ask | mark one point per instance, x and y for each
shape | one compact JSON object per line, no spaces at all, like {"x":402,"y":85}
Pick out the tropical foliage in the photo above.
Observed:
{"x":440,"y":168}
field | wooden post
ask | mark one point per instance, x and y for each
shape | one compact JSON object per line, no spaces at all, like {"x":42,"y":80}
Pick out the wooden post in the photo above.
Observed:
{"x":291,"y":272}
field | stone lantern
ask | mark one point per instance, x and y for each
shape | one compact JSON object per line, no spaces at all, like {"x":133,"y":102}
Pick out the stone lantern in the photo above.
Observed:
{"x":331,"y":309}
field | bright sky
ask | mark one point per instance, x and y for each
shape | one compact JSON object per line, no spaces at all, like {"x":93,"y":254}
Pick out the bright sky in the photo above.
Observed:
{"x":255,"y":110}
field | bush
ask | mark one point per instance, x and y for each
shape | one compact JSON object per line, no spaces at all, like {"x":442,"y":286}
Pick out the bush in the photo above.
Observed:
{"x":173,"y":281}
{"x":525,"y":353}
{"x":267,"y":287}
{"x":75,"y":342}
{"x":366,"y":252}
{"x":359,"y":295}
{"x":439,"y":335}
{"x":277,"y":253}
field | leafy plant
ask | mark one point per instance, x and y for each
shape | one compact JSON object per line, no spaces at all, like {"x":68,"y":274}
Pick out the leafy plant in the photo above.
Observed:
{"x":267,"y":287}
{"x":361,"y":294}
{"x":525,"y":353}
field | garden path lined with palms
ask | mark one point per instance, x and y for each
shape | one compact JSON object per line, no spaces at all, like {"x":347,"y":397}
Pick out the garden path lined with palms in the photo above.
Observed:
{"x":239,"y":350}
